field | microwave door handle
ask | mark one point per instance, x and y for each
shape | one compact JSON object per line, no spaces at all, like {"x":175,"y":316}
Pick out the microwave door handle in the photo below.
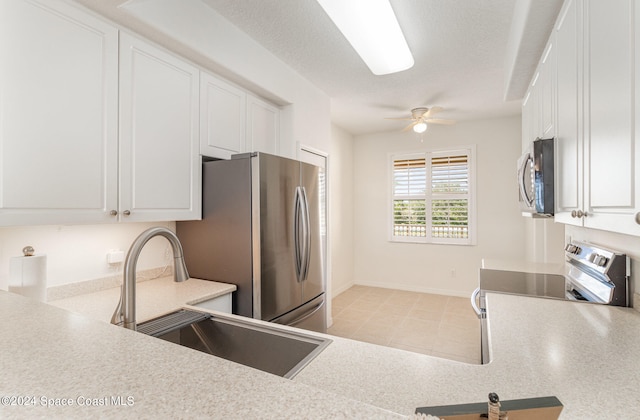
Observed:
{"x":522,"y":172}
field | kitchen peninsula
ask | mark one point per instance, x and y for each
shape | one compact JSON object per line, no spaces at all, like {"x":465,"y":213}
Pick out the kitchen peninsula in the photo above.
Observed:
{"x":584,"y":354}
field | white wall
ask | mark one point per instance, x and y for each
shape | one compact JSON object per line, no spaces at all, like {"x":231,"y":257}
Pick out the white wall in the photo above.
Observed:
{"x":544,"y":241}
{"x":341,"y":210}
{"x":78,"y":253}
{"x":444,"y":269}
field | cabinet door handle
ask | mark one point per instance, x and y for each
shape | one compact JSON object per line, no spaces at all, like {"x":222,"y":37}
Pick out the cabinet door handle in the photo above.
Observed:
{"x":638,"y":218}
{"x":578,"y":214}
{"x":113,"y":212}
{"x":126,"y":212}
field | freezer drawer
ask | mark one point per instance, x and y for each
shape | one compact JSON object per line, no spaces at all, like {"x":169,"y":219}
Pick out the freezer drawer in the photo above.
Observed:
{"x":310,"y":316}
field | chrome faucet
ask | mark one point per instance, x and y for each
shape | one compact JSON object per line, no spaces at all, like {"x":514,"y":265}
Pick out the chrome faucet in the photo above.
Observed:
{"x":125,"y":314}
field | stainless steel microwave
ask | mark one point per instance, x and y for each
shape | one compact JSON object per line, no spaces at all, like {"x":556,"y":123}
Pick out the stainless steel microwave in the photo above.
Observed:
{"x":536,"y":179}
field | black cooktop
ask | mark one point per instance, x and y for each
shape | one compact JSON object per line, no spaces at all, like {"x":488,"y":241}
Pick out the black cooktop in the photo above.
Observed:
{"x":520,"y":283}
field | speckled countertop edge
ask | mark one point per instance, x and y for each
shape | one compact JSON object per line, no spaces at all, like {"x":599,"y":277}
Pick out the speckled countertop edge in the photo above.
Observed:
{"x":538,"y":350}
{"x":540,"y":347}
{"x":53,"y":354}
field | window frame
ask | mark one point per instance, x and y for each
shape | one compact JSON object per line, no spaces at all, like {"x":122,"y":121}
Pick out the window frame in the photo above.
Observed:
{"x":470,"y":152}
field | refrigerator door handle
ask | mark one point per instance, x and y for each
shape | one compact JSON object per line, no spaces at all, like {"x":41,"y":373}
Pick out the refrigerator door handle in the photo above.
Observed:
{"x":296,"y":234}
{"x":307,"y":236}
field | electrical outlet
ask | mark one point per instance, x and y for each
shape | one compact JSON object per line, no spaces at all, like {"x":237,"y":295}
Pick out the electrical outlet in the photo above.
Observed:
{"x":453,"y":272}
{"x":115,"y":256}
{"x":167,"y":254}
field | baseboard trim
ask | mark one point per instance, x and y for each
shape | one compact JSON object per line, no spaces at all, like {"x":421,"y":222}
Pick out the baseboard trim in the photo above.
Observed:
{"x":336,"y":292}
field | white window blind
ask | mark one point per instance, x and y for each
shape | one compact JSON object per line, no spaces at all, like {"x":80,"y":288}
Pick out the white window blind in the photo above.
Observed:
{"x":409,"y":207}
{"x":450,"y":196}
{"x":432,"y":197}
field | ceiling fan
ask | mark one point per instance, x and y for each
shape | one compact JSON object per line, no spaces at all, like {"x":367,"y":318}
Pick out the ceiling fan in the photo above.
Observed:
{"x":421,"y":116}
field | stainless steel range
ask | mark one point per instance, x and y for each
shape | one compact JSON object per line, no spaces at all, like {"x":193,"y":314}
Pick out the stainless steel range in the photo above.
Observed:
{"x":597,"y":275}
{"x":591,"y":274}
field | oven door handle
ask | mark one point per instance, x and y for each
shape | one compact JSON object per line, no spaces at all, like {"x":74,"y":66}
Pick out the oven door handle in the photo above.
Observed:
{"x":474,"y":304}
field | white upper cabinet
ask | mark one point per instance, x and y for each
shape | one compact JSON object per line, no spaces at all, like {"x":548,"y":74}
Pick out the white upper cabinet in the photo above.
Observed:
{"x":234,"y":121}
{"x":547,"y":92}
{"x":159,"y":159}
{"x":598,"y":184}
{"x":611,"y":199}
{"x":92,"y":131}
{"x":59,"y":109}
{"x":528,"y":132}
{"x":635,"y":228}
{"x":538,"y":105}
{"x":569,"y":168}
{"x":222,"y":118}
{"x":263,"y":126}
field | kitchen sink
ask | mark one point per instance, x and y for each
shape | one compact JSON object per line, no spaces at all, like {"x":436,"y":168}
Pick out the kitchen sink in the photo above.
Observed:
{"x":273,"y":350}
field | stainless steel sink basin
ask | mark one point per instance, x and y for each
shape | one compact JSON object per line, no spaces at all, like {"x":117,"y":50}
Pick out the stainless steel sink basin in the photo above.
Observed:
{"x":282,"y":353}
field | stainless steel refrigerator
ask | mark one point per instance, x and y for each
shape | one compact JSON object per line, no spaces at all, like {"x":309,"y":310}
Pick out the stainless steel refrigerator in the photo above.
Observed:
{"x":261,"y":230}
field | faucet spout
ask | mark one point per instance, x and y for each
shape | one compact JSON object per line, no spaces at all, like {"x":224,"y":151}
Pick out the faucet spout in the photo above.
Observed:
{"x":125,"y":313}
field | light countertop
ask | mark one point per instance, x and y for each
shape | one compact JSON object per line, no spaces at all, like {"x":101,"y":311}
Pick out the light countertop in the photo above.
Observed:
{"x":153,"y":298}
{"x":61,"y":364}
{"x":584,"y":354}
{"x":524,"y":266}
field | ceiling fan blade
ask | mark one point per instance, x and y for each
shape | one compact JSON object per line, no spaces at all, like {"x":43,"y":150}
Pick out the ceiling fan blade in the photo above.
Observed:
{"x":440,"y":121}
{"x":432,"y":111}
{"x":410,"y":126}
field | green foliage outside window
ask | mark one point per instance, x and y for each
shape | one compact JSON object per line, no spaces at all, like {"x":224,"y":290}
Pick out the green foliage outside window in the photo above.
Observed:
{"x":448,"y":215}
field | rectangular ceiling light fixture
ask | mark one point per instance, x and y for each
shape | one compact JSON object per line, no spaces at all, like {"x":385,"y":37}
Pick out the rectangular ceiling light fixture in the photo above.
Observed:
{"x":373,"y":30}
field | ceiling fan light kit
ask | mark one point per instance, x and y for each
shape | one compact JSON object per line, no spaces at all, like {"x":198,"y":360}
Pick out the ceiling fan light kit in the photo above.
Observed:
{"x":422,"y":116}
{"x":372,"y":29}
{"x":419,"y":128}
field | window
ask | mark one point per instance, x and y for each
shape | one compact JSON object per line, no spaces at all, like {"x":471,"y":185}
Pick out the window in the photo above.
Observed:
{"x":432,"y":197}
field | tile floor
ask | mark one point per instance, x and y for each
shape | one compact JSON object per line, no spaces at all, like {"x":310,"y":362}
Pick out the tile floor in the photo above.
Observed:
{"x":442,"y":326}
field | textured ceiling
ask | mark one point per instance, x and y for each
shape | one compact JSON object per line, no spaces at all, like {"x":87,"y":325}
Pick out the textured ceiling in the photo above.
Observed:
{"x":459,"y":47}
{"x":469,"y":54}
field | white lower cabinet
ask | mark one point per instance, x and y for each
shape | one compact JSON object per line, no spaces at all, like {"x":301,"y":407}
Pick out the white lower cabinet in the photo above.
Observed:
{"x":159,"y":148}
{"x":221,"y":303}
{"x":58,"y":114}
